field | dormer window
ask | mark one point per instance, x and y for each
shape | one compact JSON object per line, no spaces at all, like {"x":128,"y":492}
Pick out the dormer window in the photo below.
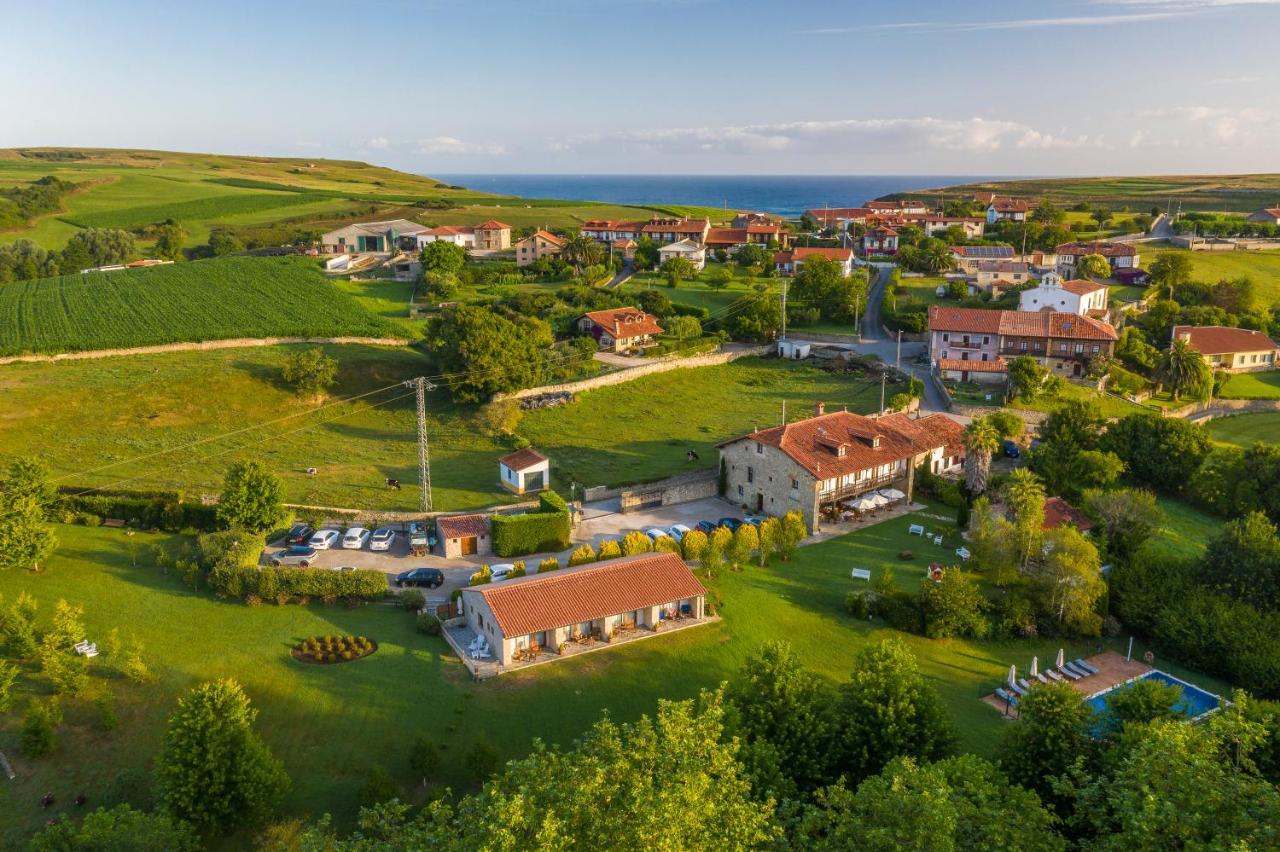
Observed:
{"x":875,"y":442}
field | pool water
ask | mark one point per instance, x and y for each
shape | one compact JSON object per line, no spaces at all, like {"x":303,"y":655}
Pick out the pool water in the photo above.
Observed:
{"x":1195,"y":702}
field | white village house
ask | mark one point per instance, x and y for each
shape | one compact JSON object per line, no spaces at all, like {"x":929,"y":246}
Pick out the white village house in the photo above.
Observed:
{"x":688,"y":249}
{"x":1071,"y":297}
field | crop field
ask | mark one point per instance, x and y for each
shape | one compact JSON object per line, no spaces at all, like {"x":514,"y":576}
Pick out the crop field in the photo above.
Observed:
{"x":216,"y":207}
{"x":205,"y":300}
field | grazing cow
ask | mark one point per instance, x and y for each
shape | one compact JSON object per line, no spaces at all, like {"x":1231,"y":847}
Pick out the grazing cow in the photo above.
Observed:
{"x":691,"y":456}
{"x":393,"y":483}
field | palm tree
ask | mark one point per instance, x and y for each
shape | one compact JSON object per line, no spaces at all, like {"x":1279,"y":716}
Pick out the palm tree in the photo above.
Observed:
{"x":582,"y":252}
{"x":980,"y":441}
{"x":1184,"y":369}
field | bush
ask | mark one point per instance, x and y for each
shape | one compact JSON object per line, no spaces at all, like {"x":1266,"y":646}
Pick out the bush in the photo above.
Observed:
{"x":900,"y":611}
{"x":860,"y":604}
{"x":953,"y":607}
{"x":39,"y":728}
{"x":256,"y":584}
{"x":413,"y":600}
{"x":635,"y":543}
{"x":235,"y":548}
{"x":548,"y":564}
{"x":693,"y":544}
{"x":609,"y":549}
{"x":429,"y":624}
{"x":583,"y":555}
{"x":152,"y":509}
{"x":545,"y":529}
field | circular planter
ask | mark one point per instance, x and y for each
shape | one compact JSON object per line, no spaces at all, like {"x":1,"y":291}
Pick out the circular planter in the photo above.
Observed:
{"x":319,"y":650}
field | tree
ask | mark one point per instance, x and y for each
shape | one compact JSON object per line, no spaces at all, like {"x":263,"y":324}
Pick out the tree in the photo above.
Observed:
{"x":214,"y":771}
{"x":501,"y":417}
{"x":40,"y":727}
{"x":1244,"y":561}
{"x":486,"y":353}
{"x":1170,"y":270}
{"x":1047,"y":213}
{"x":440,"y":286}
{"x":888,"y":710}
{"x":171,"y":237}
{"x":792,"y":532}
{"x":1102,"y":216}
{"x":378,"y":787}
{"x":993,"y":541}
{"x":693,"y":545}
{"x":646,"y":256}
{"x":745,"y":542}
{"x":1093,"y":266}
{"x":1026,"y":378}
{"x":8,"y":679}
{"x":782,"y":713}
{"x":755,"y":316}
{"x":1185,"y":371}
{"x":1024,"y":494}
{"x":443,"y":258}
{"x":1127,"y":516}
{"x":582,"y":252}
{"x":820,"y":284}
{"x":310,"y":371}
{"x":1164,"y":452}
{"x":252,"y":497}
{"x":26,"y":538}
{"x":953,"y":607}
{"x":683,"y":328}
{"x":716,"y":551}
{"x":117,"y":829}
{"x":980,"y":441}
{"x":1051,"y":734}
{"x":1142,"y":701}
{"x":1134,"y":350}
{"x":677,"y":269}
{"x":720,"y":278}
{"x":424,"y":758}
{"x":635,"y":543}
{"x":17,"y":626}
{"x":1068,"y":580}
{"x":92,"y":247}
{"x":1008,"y":425}
{"x":222,"y":243}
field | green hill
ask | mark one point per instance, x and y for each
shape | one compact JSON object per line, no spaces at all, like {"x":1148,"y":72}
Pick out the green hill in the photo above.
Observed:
{"x":217,"y":299}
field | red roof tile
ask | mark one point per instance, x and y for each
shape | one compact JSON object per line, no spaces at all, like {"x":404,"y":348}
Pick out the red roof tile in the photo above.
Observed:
{"x":1019,"y":323}
{"x":523,"y":459}
{"x":996,"y":366}
{"x":1221,"y":340}
{"x":1058,"y":512}
{"x":1081,"y":287}
{"x":462,"y":526}
{"x":571,"y":596}
{"x":1105,"y":248}
{"x":625,"y":322}
{"x":493,"y":225}
{"x":1010,"y":205}
{"x":943,"y":318}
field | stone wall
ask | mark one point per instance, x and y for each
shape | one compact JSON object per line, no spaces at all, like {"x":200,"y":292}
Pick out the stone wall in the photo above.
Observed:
{"x":1223,"y":408}
{"x":681,"y":488}
{"x":629,"y":374}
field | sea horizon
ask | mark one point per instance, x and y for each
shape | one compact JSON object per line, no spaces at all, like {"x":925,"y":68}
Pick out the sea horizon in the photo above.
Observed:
{"x":786,"y":195}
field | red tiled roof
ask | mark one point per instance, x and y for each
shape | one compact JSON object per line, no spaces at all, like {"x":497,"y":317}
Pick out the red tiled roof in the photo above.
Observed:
{"x":523,"y":459}
{"x":1102,"y":247}
{"x":624,"y":244}
{"x":493,"y":225}
{"x":1009,"y":205}
{"x":612,"y":225}
{"x":1081,"y":287}
{"x":726,"y":236}
{"x":996,"y":366}
{"x":570,"y":596}
{"x":1221,"y":340}
{"x":450,"y":230}
{"x":625,"y":322}
{"x":675,"y":226}
{"x":1273,"y":212}
{"x":1019,"y":323}
{"x":1058,"y":512}
{"x":548,"y":236}
{"x":943,"y":318}
{"x":462,"y":526}
{"x":829,"y":213}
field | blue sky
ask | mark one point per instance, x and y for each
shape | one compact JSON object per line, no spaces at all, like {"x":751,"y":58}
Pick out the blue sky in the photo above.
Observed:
{"x":660,"y":86}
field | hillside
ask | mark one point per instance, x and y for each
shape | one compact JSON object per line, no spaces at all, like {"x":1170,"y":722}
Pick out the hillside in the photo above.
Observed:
{"x":1238,"y":193}
{"x":262,"y":199}
{"x":220,"y":299}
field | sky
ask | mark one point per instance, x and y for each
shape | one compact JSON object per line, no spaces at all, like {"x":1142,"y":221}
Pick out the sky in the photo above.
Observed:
{"x":660,"y":86}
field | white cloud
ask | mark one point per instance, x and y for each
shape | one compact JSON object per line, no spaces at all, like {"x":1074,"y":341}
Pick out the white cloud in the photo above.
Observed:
{"x":1197,"y":125}
{"x":439,"y":145}
{"x":377,"y":143}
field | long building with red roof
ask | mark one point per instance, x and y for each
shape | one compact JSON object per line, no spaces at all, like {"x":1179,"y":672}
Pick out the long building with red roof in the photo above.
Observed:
{"x":1063,"y":342}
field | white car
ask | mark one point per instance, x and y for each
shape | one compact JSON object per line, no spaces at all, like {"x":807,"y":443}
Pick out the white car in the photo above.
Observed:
{"x":655,"y":533}
{"x":382,"y":539}
{"x":355,"y":538}
{"x":500,"y":571}
{"x":678,"y":532}
{"x":324,"y":539}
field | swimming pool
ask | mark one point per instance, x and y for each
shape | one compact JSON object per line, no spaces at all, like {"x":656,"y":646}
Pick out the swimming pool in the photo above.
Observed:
{"x":1195,"y":703}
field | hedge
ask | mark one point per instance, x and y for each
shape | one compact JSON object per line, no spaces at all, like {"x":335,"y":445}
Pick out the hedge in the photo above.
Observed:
{"x":533,"y":532}
{"x":146,"y":509}
{"x":270,"y":583}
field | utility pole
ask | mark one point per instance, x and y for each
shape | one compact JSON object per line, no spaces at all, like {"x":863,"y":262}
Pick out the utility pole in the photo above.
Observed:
{"x":856,"y":324}
{"x":421,"y":386}
{"x":883,"y":376}
{"x":897,"y":357}
{"x":784,"y":307}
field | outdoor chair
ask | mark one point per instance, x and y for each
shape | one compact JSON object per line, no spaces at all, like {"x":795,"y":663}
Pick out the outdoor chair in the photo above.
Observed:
{"x":1004,"y":695}
{"x":1081,"y":664}
{"x":1041,"y":678}
{"x":1070,"y":675}
{"x":1071,"y":667}
{"x":1053,"y":675}
{"x":1017,"y":689}
{"x":1022,"y":682}
{"x":937,"y":539}
{"x":915,"y":529}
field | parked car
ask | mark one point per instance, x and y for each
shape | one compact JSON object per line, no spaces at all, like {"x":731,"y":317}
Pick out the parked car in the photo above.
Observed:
{"x":754,"y":520}
{"x":731,"y":523}
{"x":355,"y":538}
{"x":295,"y":554}
{"x":1012,"y":450}
{"x":655,"y":533}
{"x":382,"y":539}
{"x":431,"y":578}
{"x":707,"y":527}
{"x":324,"y":539}
{"x":678,"y":532}
{"x":500,"y":571}
{"x":345,"y":568}
{"x":299,"y":534}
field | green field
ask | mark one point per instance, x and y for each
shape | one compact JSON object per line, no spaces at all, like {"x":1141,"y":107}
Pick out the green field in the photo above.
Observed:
{"x":331,"y":724}
{"x":1245,"y":430}
{"x":1252,"y":386}
{"x":1109,"y":405}
{"x":145,"y":404}
{"x":1263,"y":267}
{"x":216,"y":299}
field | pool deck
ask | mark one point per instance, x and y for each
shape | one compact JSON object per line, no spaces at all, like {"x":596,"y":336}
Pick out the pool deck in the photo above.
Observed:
{"x":1112,"y":668}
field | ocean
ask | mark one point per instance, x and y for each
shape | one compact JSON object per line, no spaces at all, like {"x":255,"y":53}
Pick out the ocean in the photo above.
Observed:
{"x":785,"y":195}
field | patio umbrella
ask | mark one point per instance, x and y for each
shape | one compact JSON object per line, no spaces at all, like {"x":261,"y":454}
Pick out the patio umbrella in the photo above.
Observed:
{"x":1035,"y":666}
{"x":1013,"y":675}
{"x":1061,"y":659}
{"x":878,"y":499}
{"x":864,"y":505}
{"x":892,"y":493}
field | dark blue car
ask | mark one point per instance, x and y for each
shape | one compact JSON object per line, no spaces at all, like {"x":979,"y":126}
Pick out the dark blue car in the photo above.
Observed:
{"x":1012,"y":450}
{"x":431,"y":578}
{"x":707,"y":527}
{"x":731,"y":524}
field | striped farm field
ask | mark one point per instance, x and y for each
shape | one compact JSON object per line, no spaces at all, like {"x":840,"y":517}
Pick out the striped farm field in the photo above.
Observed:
{"x":220,"y":299}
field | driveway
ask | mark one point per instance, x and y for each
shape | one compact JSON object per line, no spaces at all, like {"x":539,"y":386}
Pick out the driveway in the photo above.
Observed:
{"x":604,"y":520}
{"x":391,"y":562}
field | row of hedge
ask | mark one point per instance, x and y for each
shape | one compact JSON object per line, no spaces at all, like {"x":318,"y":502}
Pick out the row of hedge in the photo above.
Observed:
{"x":150,"y":510}
{"x":533,"y":532}
{"x":269,"y":583}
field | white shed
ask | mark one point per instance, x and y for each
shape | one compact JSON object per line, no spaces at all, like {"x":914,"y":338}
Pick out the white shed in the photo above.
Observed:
{"x":796,"y":350}
{"x":525,"y":470}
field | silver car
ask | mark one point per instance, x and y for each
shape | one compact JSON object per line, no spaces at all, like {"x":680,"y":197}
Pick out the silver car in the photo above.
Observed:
{"x":382,"y":539}
{"x":324,"y":539}
{"x":355,"y":538}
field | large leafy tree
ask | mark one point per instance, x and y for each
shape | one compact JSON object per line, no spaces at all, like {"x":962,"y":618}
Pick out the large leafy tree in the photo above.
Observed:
{"x":889,"y":710}
{"x":252,"y":497}
{"x":582,"y":252}
{"x":993,"y":541}
{"x":1128,"y":517}
{"x":26,"y":538}
{"x":755,"y":316}
{"x":1164,"y":452}
{"x":1068,"y":580}
{"x":1244,"y":560}
{"x":117,"y":829}
{"x":1026,"y":378}
{"x":980,"y":440}
{"x":1049,"y":738}
{"x":1239,"y":481}
{"x":214,"y":771}
{"x":1170,"y":270}
{"x":953,"y":606}
{"x":443,"y":257}
{"x":1093,"y":266}
{"x":1184,"y":370}
{"x":1024,"y":495}
{"x":677,"y":269}
{"x":819,"y":284}
{"x":171,"y":238}
{"x":310,"y":371}
{"x":485,"y":353}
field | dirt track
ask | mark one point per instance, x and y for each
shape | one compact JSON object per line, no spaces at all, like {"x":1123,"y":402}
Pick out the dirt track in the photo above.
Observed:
{"x":234,"y":343}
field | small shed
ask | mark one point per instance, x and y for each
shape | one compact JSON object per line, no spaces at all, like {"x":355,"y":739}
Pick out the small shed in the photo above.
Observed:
{"x":464,"y":535}
{"x":524,"y":471}
{"x":796,"y":350}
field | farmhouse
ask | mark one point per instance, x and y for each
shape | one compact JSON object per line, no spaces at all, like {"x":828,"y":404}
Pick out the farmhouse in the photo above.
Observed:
{"x":840,"y":217}
{"x":493,"y":236}
{"x":612,"y":230}
{"x":1007,"y":209}
{"x":881,"y":240}
{"x":731,"y":239}
{"x":1073,"y":297}
{"x":1064,"y":342}
{"x":789,"y":262}
{"x":746,"y":219}
{"x":1235,"y":350}
{"x":464,"y":535}
{"x":536,"y":246}
{"x":551,"y":613}
{"x":996,"y":276}
{"x":524,"y":470}
{"x":689,"y":249}
{"x":459,"y":235}
{"x":898,"y":208}
{"x":812,"y":464}
{"x":1119,"y":255}
{"x":934,"y":225}
{"x":619,"y":329}
{"x":672,"y":230}
{"x":386,"y":238}
{"x":968,"y":257}
{"x":1269,"y":215}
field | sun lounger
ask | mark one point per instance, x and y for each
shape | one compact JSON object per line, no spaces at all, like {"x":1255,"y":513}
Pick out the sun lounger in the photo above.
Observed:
{"x":1081,"y":664}
{"x":1022,"y":682}
{"x":1070,"y":675}
{"x":1019,"y":690}
{"x":1041,"y":678}
{"x":1004,"y":695}
{"x":1053,"y":675}
{"x":1079,"y":673}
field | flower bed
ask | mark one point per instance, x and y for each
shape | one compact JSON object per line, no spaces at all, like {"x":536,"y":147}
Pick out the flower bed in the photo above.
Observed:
{"x":333,"y":649}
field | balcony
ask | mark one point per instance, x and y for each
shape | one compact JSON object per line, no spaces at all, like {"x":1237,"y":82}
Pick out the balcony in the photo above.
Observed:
{"x":862,"y":486}
{"x":962,"y":344}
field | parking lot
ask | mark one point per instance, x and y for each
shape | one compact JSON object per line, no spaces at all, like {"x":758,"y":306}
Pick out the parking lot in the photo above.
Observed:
{"x":603,"y":520}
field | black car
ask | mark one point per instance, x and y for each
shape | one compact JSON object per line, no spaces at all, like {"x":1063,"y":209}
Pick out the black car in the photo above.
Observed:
{"x":299,"y":534}
{"x":731,"y":523}
{"x":431,"y":578}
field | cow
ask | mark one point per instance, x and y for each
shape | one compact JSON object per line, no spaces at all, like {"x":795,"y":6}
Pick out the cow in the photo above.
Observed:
{"x":691,"y":456}
{"x":393,"y":484}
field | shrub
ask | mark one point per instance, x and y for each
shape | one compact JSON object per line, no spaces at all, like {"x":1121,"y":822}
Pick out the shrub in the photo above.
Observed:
{"x":229,"y":547}
{"x":901,"y":611}
{"x":635,"y":543}
{"x":666,"y":544}
{"x":163,"y":509}
{"x":413,"y":600}
{"x":953,"y":607}
{"x":584,"y":554}
{"x":484,"y":575}
{"x":860,"y":604}
{"x":429,"y":624}
{"x":517,"y":570}
{"x":256,"y":584}
{"x":548,"y":564}
{"x":545,"y":529}
{"x":693,"y":544}
{"x":609,"y":549}
{"x":39,"y":728}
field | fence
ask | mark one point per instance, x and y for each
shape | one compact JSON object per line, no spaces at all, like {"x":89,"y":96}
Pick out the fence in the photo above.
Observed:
{"x":680,"y":488}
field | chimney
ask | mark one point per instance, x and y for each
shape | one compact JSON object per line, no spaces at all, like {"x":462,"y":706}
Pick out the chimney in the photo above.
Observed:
{"x":819,"y":409}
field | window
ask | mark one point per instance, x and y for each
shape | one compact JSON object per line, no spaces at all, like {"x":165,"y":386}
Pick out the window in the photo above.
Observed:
{"x":946,"y":338}
{"x":1062,"y":347}
{"x":1022,"y":344}
{"x":739,"y":490}
{"x":795,"y":484}
{"x":751,"y":474}
{"x":1096,"y":349}
{"x":1079,"y":348}
{"x":759,"y":448}
{"x":985,"y":340}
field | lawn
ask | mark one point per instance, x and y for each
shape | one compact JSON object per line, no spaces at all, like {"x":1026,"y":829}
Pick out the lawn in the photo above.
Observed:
{"x":223,"y":298}
{"x":385,"y":297}
{"x":1263,"y":267}
{"x":923,"y":291}
{"x":1111,"y":406}
{"x":146,"y":404}
{"x":330,"y":725}
{"x":1252,"y":386}
{"x":1187,"y":529}
{"x":698,"y":292}
{"x":1245,"y":430}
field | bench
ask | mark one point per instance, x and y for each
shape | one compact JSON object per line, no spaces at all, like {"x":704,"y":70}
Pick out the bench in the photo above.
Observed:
{"x":113,"y":522}
{"x":915,"y":529}
{"x":963,"y":552}
{"x":860,"y":574}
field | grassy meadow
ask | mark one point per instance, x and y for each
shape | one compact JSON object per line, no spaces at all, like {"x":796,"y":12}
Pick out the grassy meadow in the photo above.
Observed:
{"x":1252,"y":386}
{"x":1263,"y":267}
{"x":1238,"y":193}
{"x":1245,"y":430}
